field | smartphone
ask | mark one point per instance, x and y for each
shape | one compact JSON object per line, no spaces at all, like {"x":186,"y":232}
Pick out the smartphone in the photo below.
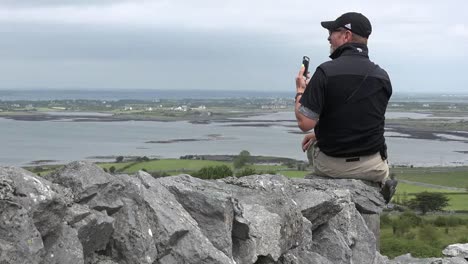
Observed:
{"x":305,"y":61}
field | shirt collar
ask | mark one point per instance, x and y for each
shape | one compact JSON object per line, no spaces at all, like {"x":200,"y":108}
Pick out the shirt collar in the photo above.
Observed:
{"x":350,"y":49}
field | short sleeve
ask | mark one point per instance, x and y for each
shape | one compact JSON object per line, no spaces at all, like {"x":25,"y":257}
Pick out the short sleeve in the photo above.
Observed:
{"x":314,"y":95}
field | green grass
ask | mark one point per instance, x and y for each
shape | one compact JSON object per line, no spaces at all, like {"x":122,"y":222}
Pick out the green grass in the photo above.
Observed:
{"x":457,"y":200}
{"x":430,"y":216}
{"x":294,"y":173}
{"x":260,"y":167}
{"x":165,"y":165}
{"x":442,"y":176}
{"x":43,"y":172}
{"x":410,"y":188}
{"x":175,"y":166}
{"x":422,"y":241}
{"x":446,"y":176}
{"x":117,"y":166}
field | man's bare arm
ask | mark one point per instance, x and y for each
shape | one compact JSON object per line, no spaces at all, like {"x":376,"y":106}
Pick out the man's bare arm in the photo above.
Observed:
{"x":304,"y":122}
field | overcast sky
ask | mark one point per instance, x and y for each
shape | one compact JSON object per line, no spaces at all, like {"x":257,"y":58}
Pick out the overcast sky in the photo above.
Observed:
{"x":228,"y":44}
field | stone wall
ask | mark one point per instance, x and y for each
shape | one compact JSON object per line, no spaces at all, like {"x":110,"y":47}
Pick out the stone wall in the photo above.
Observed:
{"x":82,"y":214}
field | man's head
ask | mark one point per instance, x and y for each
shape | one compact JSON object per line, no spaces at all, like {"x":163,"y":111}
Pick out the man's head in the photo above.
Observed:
{"x":349,"y":27}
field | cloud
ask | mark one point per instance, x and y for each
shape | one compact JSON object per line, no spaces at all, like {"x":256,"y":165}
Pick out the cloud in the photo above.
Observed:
{"x":459,"y":30}
{"x":55,"y":3}
{"x":296,"y":19}
{"x":248,"y":41}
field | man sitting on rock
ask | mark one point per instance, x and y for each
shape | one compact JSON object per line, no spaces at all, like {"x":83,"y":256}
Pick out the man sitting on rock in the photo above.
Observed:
{"x":345,"y":101}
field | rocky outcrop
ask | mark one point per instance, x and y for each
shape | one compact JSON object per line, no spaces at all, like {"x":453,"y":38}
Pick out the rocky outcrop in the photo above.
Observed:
{"x":408,"y":259}
{"x":456,"y":250}
{"x":81,"y":214}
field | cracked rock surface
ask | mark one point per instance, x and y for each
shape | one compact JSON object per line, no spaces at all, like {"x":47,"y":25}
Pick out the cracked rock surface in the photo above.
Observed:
{"x":81,"y":214}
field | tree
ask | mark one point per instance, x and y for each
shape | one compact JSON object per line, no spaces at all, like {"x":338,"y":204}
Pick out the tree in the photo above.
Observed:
{"x":144,"y":158}
{"x":428,"y":202}
{"x":112,"y":169}
{"x":119,"y":159}
{"x":242,"y":159}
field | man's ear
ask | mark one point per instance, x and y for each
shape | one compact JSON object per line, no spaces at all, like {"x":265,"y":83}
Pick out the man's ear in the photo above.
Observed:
{"x":349,"y":36}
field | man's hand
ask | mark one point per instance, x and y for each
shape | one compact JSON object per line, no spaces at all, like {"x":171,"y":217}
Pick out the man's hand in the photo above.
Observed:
{"x":301,"y":81}
{"x":304,"y":123}
{"x":308,"y":140}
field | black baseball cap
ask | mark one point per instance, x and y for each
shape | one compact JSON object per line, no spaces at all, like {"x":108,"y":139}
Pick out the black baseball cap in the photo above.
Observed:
{"x":354,"y":22}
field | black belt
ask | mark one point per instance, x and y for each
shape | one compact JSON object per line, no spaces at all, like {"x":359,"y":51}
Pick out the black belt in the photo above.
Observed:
{"x":353,"y":159}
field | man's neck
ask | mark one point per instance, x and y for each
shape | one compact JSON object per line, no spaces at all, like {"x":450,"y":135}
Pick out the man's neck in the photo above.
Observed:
{"x":353,"y":47}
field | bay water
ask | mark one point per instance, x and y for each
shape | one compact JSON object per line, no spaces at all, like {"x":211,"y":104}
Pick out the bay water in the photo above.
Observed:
{"x":22,"y":142}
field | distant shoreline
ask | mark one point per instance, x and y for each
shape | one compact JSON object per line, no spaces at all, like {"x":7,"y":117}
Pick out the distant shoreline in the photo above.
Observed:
{"x":395,"y":126}
{"x":37,"y":117}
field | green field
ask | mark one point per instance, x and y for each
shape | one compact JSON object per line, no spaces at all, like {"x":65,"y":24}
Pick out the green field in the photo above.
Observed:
{"x":294,"y":173}
{"x":177,"y":166}
{"x":411,"y":189}
{"x":166,"y":165}
{"x":440,"y":176}
{"x":458,"y":202}
{"x":392,"y":246}
{"x":444,"y":176}
{"x":422,"y":236}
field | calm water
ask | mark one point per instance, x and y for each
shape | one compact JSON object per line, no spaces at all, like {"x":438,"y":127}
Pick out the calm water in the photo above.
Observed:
{"x":25,"y":141}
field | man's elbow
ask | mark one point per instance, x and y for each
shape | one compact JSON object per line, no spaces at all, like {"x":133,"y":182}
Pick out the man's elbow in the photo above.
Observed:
{"x":304,"y":122}
{"x":306,"y":125}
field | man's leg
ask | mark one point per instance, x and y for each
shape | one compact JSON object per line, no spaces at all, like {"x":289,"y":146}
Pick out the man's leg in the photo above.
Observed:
{"x":370,"y":168}
{"x":312,"y":153}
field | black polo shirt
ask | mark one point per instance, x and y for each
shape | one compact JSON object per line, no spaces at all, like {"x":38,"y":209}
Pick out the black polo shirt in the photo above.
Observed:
{"x":349,"y":106}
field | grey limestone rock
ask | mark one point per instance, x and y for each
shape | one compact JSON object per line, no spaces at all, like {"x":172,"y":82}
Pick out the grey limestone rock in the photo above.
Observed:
{"x":456,"y":250}
{"x":268,"y":221}
{"x":94,"y":231}
{"x":6,"y":189}
{"x":177,"y":235}
{"x":102,"y":259}
{"x":408,"y":259}
{"x":75,"y":213}
{"x":345,"y":238}
{"x":63,"y":246}
{"x":209,"y":204}
{"x":83,"y":178}
{"x":317,"y":206}
{"x":20,"y":241}
{"x":366,"y":197}
{"x":303,"y":254}
{"x":106,"y":197}
{"x":303,"y":257}
{"x":88,"y":216}
{"x":38,"y":197}
{"x":133,"y":239}
{"x":379,"y":259}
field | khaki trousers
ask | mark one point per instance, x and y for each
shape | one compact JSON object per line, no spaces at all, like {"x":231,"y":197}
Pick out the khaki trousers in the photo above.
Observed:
{"x":370,"y":168}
